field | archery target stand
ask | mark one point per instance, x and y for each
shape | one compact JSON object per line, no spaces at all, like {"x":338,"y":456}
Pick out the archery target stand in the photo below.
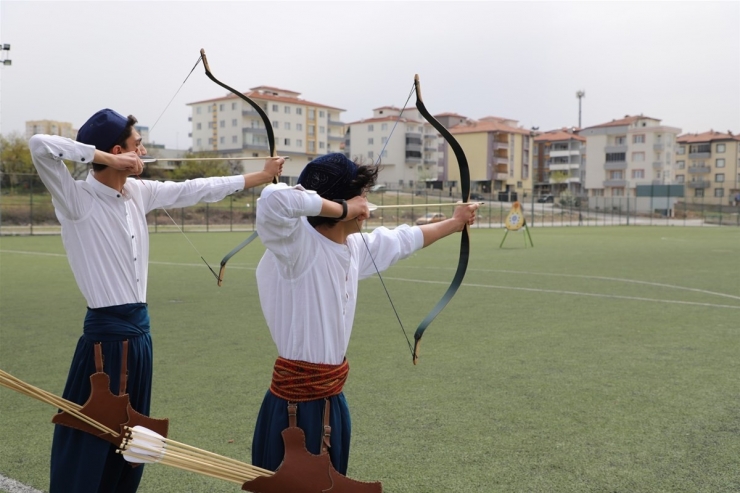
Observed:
{"x":515,"y":221}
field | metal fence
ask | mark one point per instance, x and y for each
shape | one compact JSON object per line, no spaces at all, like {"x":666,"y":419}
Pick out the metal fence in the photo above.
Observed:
{"x":26,"y":209}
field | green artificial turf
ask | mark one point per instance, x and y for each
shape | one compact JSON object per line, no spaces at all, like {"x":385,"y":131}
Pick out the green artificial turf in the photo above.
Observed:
{"x":601,"y":360}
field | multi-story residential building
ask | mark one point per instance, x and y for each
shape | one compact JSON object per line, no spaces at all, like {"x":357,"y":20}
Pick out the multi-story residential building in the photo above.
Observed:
{"x":559,"y":162}
{"x":624,"y":153}
{"x":413,"y":158}
{"x":303,"y":129}
{"x":499,"y":155}
{"x":50,"y":127}
{"x":709,"y":165}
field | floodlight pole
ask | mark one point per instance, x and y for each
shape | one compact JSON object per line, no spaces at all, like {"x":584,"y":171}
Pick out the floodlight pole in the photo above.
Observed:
{"x":580,"y":95}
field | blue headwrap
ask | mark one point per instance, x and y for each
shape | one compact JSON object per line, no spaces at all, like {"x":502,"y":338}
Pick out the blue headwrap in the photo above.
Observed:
{"x":330,"y":176}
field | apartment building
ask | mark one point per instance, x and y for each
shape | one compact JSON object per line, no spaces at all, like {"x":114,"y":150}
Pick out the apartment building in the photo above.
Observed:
{"x":410,"y":158}
{"x":559,"y":162}
{"x":624,"y":153}
{"x":303,"y":129}
{"x":709,"y":165}
{"x":499,"y":154}
{"x":50,"y":127}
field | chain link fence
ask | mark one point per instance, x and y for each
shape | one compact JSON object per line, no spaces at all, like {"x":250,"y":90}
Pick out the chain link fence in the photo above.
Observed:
{"x":26,"y":209}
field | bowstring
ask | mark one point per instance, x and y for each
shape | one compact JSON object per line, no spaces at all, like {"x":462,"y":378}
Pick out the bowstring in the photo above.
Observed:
{"x":200,"y":58}
{"x":382,"y":282}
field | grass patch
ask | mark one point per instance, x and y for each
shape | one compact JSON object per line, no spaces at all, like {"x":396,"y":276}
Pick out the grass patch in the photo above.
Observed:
{"x":602,"y":360}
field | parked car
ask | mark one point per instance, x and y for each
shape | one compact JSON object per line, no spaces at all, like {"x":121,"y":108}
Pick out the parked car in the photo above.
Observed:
{"x":477,"y":196}
{"x":432,"y":217}
{"x":546,"y":199}
{"x":377,"y":188}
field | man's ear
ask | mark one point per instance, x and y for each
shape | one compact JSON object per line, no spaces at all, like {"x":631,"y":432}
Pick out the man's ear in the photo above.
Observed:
{"x":117,"y":149}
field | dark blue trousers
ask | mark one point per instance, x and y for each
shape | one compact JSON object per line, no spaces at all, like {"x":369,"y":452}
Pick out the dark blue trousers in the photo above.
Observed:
{"x":80,"y":462}
{"x":268,"y":448}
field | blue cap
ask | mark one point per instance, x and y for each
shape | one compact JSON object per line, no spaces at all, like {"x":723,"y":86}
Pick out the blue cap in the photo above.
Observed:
{"x":330,"y":176}
{"x":103,"y":129}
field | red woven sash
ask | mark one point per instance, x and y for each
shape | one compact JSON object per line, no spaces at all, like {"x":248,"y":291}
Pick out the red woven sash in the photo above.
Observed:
{"x":300,"y":381}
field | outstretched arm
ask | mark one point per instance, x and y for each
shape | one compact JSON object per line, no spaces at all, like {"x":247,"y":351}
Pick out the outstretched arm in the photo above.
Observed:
{"x":273,"y":168}
{"x":464,"y":215}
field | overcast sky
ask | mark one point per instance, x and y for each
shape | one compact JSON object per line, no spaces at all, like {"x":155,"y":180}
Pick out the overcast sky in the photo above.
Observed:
{"x":676,"y":61}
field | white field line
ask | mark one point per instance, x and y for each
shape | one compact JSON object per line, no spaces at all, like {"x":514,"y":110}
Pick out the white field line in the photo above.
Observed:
{"x":492,"y":286}
{"x":13,"y":486}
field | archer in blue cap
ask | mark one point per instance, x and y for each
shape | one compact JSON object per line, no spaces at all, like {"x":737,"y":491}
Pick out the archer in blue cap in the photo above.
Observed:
{"x":106,"y":237}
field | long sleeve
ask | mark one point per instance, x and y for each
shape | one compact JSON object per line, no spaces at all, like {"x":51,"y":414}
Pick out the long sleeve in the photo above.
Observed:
{"x":71,"y":197}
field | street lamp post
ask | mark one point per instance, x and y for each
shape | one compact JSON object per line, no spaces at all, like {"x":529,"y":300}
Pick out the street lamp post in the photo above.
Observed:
{"x":5,"y":50}
{"x":580,"y":95}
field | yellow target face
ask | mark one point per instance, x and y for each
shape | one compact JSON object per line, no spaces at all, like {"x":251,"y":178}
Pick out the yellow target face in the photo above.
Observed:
{"x":515,"y":219}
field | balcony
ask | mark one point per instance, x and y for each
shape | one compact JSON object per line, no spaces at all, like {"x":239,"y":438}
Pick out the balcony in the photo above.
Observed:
{"x":430,"y":161}
{"x":698,"y":184}
{"x":565,"y":153}
{"x":500,"y":176}
{"x":430,"y":136}
{"x":657,"y":165}
{"x":699,"y":169}
{"x":250,"y":112}
{"x":256,"y":147}
{"x":335,"y":123}
{"x":700,"y":155}
{"x":335,"y":138}
{"x":658,"y":146}
{"x":612,"y":165}
{"x":564,"y":167}
{"x":615,"y":183}
{"x":255,"y":130}
{"x":615,"y":148}
{"x":500,"y":145}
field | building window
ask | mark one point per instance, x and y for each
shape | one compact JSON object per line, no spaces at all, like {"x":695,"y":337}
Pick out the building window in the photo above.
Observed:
{"x":680,"y":178}
{"x":222,"y":140}
{"x":233,"y":139}
{"x":321,"y":145}
{"x":197,"y":126}
{"x":384,"y":154}
{"x":370,"y":141}
{"x":383,"y":126}
{"x":299,"y":143}
{"x":286,"y":125}
{"x":275,"y":124}
{"x":720,"y":148}
{"x":370,"y":128}
{"x":321,"y":114}
{"x":200,"y":143}
{"x":680,"y":164}
{"x":197,"y":110}
{"x":311,"y":129}
{"x":638,"y":173}
{"x":616,"y":175}
{"x":233,"y":106}
{"x":220,"y":107}
{"x":620,"y":141}
{"x":638,"y":156}
{"x":222,"y":123}
{"x":719,"y":192}
{"x":322,"y":130}
{"x":720,"y":162}
{"x":286,"y":142}
{"x":286,"y":110}
{"x":370,"y":154}
{"x":698,"y":192}
{"x":299,"y":127}
{"x":616,"y":157}
{"x":311,"y":146}
{"x":700,"y":148}
{"x":275,"y":108}
{"x":617,"y":192}
{"x":681,"y":150}
{"x":311,"y":114}
{"x":234,"y":123}
{"x":597,"y":192}
{"x":719,"y":178}
{"x":383,"y":140}
{"x":299,"y":111}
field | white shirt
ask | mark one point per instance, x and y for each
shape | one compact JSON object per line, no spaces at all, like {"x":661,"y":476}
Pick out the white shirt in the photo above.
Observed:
{"x":307,"y":283}
{"x":105,"y":232}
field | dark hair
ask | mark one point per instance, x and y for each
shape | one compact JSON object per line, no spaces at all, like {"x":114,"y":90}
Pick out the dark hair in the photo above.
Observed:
{"x":361,"y":183}
{"x":121,"y":141}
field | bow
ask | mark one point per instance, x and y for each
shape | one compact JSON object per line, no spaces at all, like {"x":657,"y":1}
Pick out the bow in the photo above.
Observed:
{"x":462,"y":263}
{"x":270,"y":141}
